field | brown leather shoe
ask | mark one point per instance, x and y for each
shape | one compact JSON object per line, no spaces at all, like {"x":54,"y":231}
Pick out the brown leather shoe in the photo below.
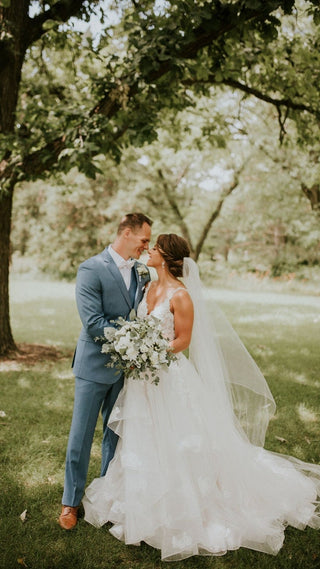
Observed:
{"x":68,"y":517}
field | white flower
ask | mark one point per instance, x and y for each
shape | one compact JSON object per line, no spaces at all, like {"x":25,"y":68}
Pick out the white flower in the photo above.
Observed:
{"x":132,"y":353}
{"x":122,"y":343}
{"x":154,"y":358}
{"x":142,"y":271}
{"x":109,"y":332}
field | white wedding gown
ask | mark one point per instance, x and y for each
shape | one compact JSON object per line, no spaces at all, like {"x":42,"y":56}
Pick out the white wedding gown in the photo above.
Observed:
{"x":185,"y":486}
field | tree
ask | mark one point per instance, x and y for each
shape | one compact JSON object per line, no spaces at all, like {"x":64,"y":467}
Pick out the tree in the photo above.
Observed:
{"x":185,"y":177}
{"x":169,"y":49}
{"x":18,"y":33}
{"x":236,"y":197}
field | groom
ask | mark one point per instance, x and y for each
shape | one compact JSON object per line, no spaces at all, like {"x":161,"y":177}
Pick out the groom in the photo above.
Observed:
{"x":109,"y":285}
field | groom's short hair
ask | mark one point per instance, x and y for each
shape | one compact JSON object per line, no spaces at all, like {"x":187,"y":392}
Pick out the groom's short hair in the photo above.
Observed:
{"x":134,"y":221}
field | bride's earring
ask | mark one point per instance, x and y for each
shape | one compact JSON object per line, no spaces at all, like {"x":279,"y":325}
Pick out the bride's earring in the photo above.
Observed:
{"x":163,"y":264}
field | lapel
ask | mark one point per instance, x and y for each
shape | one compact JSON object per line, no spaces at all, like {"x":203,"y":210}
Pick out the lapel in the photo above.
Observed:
{"x":116,"y":275}
{"x":138,"y":281}
{"x":140,"y":285}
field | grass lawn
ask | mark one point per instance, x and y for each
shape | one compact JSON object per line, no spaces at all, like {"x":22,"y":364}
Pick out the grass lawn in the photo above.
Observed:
{"x":281,"y":332}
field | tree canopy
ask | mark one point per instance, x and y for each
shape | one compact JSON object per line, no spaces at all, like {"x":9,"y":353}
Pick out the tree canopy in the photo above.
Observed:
{"x":155,"y":55}
{"x":159,"y":56}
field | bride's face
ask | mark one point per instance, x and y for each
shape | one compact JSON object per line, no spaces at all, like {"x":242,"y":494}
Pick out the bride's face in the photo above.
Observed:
{"x":155,"y":258}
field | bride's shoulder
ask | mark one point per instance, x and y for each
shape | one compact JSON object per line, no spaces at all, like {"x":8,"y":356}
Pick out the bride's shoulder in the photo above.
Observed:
{"x":180,"y":294}
{"x":181,"y":303}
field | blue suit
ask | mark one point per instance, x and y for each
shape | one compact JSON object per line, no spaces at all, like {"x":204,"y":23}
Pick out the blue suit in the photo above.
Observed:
{"x":101,"y":296}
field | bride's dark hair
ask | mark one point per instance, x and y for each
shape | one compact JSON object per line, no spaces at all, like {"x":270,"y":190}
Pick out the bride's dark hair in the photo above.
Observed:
{"x":173,"y":249}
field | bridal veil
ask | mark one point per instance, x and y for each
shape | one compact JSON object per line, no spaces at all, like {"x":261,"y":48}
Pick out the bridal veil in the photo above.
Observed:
{"x":239,"y":385}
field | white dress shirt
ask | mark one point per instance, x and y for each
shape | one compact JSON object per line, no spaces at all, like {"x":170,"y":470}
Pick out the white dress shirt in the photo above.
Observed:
{"x":123,"y":265}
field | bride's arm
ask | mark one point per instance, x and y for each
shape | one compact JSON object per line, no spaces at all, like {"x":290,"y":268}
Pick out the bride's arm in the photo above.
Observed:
{"x":182,"y":308}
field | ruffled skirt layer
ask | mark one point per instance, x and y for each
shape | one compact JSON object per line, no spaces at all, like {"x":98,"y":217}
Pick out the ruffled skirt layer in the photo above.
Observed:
{"x":191,"y":484}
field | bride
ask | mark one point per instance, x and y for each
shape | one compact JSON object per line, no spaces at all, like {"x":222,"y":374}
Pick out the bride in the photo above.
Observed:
{"x":190,"y":475}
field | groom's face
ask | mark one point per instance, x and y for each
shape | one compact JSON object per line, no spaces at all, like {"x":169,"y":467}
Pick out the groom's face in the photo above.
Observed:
{"x":138,"y":240}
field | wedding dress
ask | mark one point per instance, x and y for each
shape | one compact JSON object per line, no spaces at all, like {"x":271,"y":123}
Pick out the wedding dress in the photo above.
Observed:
{"x":185,"y":477}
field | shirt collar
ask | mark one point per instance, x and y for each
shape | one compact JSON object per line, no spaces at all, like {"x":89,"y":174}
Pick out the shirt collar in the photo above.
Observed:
{"x":115,"y":256}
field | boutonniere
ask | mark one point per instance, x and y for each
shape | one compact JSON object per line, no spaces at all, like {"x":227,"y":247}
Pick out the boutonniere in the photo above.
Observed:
{"x":142,"y":271}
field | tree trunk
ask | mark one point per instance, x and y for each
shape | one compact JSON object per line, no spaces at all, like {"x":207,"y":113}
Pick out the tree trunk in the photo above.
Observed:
{"x":12,"y":51}
{"x":214,"y":215}
{"x":313,"y":195}
{"x":7,"y":344}
{"x":17,"y":33}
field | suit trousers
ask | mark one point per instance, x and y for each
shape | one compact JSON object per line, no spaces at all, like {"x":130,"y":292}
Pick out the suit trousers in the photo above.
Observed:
{"x":89,"y":398}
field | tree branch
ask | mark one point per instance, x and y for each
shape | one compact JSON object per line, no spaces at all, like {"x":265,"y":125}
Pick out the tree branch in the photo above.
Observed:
{"x":285,"y":102}
{"x":110,"y":104}
{"x":282,"y":122}
{"x":238,"y":85}
{"x":215,"y":214}
{"x":61,"y":11}
{"x":175,"y":208}
{"x":228,"y":22}
{"x":313,"y":195}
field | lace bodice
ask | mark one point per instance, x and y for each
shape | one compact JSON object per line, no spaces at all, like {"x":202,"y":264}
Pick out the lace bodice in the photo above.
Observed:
{"x":161,"y":311}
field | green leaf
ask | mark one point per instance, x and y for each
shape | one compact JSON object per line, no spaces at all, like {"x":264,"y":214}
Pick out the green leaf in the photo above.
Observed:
{"x":50,"y":24}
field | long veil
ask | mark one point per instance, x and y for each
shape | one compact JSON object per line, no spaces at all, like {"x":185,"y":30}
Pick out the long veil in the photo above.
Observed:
{"x":239,"y":390}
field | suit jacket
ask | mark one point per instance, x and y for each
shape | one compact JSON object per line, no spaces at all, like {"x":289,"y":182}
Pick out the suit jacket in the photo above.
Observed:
{"x":101,"y":296}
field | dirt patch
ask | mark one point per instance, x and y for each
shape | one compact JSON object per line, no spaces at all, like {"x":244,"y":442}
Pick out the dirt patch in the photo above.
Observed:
{"x":30,"y":354}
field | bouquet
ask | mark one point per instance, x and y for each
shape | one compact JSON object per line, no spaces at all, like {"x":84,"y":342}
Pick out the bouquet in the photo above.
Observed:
{"x":137,"y":347}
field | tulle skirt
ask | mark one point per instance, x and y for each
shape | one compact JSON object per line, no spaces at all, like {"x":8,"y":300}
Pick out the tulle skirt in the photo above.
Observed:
{"x":188,"y":483}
